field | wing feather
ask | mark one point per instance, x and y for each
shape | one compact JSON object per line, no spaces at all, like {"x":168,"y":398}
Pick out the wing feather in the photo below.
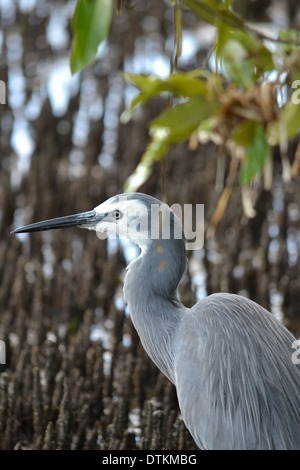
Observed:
{"x":237,"y":385}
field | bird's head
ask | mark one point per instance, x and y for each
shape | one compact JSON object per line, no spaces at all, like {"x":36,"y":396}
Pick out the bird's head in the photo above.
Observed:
{"x":137,"y":217}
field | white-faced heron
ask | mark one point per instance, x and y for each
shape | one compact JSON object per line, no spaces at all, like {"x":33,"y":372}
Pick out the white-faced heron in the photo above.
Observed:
{"x":229,"y":358}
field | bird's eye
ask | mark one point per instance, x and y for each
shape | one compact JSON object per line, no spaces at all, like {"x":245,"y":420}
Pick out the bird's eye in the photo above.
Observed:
{"x":117,"y":214}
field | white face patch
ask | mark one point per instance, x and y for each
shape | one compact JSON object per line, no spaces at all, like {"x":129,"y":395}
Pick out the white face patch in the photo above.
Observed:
{"x":127,"y":218}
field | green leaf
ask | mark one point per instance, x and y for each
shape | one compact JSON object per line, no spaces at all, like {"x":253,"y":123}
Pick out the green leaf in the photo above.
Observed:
{"x":91,"y":24}
{"x":244,"y":56}
{"x":244,"y":133}
{"x":179,"y":84}
{"x":178,"y":123}
{"x":290,"y":116}
{"x":262,"y":60}
{"x":155,"y":151}
{"x":257,"y":153}
{"x":170,"y":127}
{"x":235,"y":62}
{"x":214,"y":12}
{"x":289,"y":39}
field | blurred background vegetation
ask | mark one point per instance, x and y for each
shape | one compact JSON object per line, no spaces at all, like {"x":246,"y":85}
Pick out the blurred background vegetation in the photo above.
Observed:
{"x":240,"y":96}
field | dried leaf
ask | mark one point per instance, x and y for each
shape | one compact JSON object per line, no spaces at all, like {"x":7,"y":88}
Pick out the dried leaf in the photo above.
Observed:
{"x":248,"y":203}
{"x":267,"y":101}
{"x":268,"y":174}
{"x":224,"y":198}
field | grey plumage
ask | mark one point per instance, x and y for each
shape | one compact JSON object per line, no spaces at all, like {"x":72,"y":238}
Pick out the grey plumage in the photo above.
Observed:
{"x":246,"y":386}
{"x":229,"y":358}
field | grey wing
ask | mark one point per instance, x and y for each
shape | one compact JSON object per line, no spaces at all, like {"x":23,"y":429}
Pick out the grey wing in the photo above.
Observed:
{"x":237,"y":385}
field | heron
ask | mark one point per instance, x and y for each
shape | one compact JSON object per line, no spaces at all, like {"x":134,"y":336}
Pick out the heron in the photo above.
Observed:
{"x":229,"y":358}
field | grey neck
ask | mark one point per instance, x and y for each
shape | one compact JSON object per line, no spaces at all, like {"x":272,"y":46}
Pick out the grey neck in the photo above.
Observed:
{"x":150,"y":292}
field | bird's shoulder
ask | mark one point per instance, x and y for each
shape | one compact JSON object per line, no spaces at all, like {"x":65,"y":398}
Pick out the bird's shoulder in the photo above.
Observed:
{"x":234,"y":314}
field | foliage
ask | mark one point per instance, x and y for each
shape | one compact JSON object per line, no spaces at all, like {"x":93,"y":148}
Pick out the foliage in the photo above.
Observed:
{"x":243,"y":106}
{"x":90,"y":25}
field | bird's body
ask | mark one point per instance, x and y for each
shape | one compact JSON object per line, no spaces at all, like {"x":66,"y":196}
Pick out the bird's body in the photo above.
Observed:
{"x":229,"y":358}
{"x":239,"y":389}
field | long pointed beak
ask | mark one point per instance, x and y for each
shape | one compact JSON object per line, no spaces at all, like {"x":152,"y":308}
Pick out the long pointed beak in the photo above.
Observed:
{"x":85,"y":219}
